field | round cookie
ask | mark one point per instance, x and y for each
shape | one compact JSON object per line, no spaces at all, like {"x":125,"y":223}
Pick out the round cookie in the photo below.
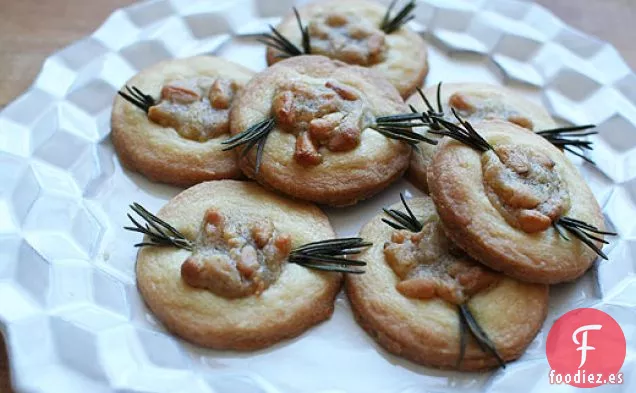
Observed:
{"x":213,"y":314}
{"x":505,"y":206}
{"x":473,"y":102}
{"x":349,"y":30}
{"x":409,"y":298}
{"x":321,"y":148}
{"x":175,"y":138}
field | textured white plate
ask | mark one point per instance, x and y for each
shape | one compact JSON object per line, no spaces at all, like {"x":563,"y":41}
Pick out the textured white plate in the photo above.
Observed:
{"x":69,"y":309}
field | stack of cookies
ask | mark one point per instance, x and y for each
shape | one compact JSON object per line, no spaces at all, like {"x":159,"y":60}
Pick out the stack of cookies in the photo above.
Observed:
{"x":507,"y":214}
{"x":457,"y":279}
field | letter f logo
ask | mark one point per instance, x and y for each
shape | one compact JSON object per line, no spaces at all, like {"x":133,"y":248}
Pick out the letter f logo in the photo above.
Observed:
{"x":584,"y":347}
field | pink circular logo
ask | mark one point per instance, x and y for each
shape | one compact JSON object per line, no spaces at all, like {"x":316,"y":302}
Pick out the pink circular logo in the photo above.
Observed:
{"x":586,"y":348}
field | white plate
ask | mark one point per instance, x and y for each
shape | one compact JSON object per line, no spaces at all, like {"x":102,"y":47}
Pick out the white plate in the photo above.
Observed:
{"x":69,"y":309}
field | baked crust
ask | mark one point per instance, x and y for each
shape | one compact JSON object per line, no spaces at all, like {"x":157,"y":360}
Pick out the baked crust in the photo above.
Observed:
{"x":299,"y":299}
{"x":427,"y":331}
{"x":506,"y":100}
{"x":342,"y":178}
{"x":406,"y":62}
{"x":160,"y":153}
{"x":456,"y":185}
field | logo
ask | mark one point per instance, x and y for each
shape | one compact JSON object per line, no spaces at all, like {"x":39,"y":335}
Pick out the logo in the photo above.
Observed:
{"x":586,"y":348}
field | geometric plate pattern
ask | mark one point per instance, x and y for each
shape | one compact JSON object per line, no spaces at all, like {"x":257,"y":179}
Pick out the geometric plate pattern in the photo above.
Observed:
{"x":69,"y":309}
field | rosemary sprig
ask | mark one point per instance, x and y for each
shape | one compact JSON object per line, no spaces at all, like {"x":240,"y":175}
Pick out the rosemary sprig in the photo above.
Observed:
{"x":159,"y":232}
{"x":400,"y":127}
{"x":281,"y":43}
{"x":583,"y":231}
{"x":467,"y":319}
{"x":406,"y":220}
{"x":137,"y":98}
{"x":434,"y":120}
{"x":391,"y":24}
{"x":567,"y":138}
{"x":462,"y":132}
{"x":255,"y":135}
{"x":329,"y":255}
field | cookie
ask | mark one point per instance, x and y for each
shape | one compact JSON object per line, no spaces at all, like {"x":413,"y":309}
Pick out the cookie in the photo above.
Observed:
{"x":303,"y":127}
{"x":518,"y":205}
{"x":474,"y":101}
{"x":226,"y":283}
{"x":352,"y":31}
{"x":177,"y":113}
{"x":419,"y":287}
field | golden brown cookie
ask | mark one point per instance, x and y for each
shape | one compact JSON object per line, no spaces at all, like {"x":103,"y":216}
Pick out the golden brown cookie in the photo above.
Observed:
{"x":170,"y":128}
{"x":474,"y":102}
{"x":230,"y":286}
{"x":351,"y":31}
{"x":418,"y":284}
{"x":319,"y":146}
{"x":505,"y":206}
